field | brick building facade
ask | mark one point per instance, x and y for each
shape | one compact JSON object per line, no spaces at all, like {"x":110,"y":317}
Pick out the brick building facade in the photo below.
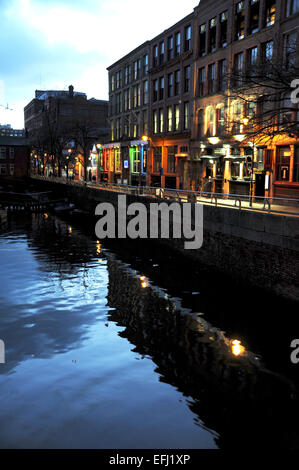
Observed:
{"x":14,"y":157}
{"x":54,"y":115}
{"x":196,"y":130}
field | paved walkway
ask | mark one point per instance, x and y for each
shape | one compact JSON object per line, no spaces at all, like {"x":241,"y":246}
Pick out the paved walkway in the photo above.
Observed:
{"x":285,"y":207}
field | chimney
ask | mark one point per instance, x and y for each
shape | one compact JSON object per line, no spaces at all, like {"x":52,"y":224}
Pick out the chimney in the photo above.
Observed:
{"x":71,"y":91}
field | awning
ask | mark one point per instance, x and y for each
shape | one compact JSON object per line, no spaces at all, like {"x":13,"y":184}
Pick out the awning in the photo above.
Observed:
{"x":237,"y":158}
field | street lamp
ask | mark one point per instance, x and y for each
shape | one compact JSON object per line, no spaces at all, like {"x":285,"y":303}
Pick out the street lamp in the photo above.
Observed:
{"x":252,"y":145}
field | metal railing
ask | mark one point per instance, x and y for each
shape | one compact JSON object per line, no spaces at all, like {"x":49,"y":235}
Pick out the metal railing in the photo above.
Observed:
{"x":269,"y":205}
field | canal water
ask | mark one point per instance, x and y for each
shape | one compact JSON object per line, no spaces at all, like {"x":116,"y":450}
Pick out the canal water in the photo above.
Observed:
{"x":103,"y":352}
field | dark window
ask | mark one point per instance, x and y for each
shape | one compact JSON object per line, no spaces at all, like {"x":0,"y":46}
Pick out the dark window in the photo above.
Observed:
{"x":161,"y":88}
{"x":292,"y":7}
{"x":223,"y":29}
{"x":201,"y":81}
{"x":222,"y":69}
{"x":283,"y":163}
{"x":211,"y":78}
{"x":270,"y":12}
{"x":200,"y":130}
{"x":156,"y":87}
{"x":170,"y":54}
{"x":220,"y":121}
{"x":155,"y":56}
{"x":240,"y":20}
{"x":187,"y":77}
{"x":212,"y":35}
{"x":128,"y":75}
{"x":170,"y":85}
{"x":296,"y":165}
{"x":290,"y":49}
{"x":202,"y":40}
{"x":251,"y":61}
{"x":187,"y":38}
{"x":157,"y":159}
{"x":145,"y":63}
{"x":177,"y":84}
{"x":171,"y":153}
{"x":177,"y":44}
{"x":145,"y":92}
{"x":162,"y":52}
{"x":254,"y":16}
{"x":267,"y":51}
{"x":238,"y":68}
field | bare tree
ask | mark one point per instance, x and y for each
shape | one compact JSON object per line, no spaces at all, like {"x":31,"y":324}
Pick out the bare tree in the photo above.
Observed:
{"x":85,"y":136}
{"x":260,"y":94}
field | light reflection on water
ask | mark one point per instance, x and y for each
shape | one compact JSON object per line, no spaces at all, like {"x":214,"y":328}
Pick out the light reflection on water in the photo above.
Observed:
{"x":72,"y":378}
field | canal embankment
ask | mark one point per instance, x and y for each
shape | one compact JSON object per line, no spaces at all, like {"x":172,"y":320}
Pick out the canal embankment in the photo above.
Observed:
{"x":255,"y":248}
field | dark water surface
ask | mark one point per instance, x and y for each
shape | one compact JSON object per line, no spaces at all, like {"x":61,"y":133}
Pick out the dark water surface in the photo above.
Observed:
{"x":98,"y":355}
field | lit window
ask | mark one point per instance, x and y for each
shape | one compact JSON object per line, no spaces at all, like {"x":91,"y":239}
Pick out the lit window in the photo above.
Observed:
{"x":169,"y":118}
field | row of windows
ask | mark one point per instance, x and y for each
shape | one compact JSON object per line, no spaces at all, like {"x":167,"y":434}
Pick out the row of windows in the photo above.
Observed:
{"x":210,"y":39}
{"x":131,"y":73}
{"x":174,"y":47}
{"x":214,"y":34}
{"x":213,"y":77}
{"x":4,"y":169}
{"x":173,"y":119}
{"x":173,"y":84}
{"x":131,"y":98}
{"x":3,"y":153}
{"x":171,"y":163}
{"x":129,"y":126}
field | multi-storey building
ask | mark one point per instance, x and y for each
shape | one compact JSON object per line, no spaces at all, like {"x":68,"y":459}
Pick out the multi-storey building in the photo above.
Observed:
{"x":7,"y":130}
{"x":171,"y":99}
{"x":124,"y":159}
{"x":63,"y":115}
{"x":14,"y":156}
{"x":238,"y":36}
{"x":197,"y":129}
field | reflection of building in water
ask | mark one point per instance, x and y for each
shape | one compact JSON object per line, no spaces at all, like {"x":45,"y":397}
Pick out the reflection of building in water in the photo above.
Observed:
{"x":230,"y":389}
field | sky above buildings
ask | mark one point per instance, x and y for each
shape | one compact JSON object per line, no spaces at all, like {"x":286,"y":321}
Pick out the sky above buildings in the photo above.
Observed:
{"x":50,"y":44}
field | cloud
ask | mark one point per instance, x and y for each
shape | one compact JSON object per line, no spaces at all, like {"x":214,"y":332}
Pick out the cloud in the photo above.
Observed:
{"x":50,"y":44}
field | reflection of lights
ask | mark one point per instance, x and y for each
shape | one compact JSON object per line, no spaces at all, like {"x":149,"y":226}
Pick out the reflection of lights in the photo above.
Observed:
{"x":144,"y":282}
{"x":237,"y":348}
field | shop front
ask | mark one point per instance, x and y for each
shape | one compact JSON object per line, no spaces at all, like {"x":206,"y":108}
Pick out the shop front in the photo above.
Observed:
{"x":138,"y":152}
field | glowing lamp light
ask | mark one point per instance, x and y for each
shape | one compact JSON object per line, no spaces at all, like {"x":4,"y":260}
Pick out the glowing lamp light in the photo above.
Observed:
{"x":239,"y":137}
{"x":246,"y":121}
{"x":144,"y":138}
{"x":237,"y":348}
{"x":214,"y":140}
{"x":144,"y":282}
